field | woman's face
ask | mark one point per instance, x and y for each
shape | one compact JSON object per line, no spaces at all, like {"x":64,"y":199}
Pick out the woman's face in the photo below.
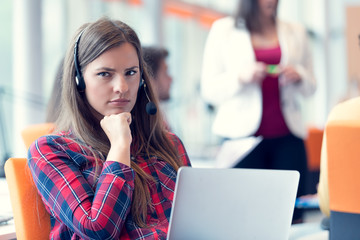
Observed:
{"x":112,"y":81}
{"x":267,"y":8}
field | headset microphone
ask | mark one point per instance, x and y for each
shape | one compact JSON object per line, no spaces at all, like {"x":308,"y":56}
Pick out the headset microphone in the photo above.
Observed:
{"x":150,"y":106}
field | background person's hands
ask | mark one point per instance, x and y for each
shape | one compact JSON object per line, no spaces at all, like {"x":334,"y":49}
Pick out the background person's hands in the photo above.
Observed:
{"x":288,"y":75}
{"x":259,"y":72}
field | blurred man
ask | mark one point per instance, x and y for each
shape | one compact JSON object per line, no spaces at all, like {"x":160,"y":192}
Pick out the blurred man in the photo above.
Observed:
{"x":155,"y":59}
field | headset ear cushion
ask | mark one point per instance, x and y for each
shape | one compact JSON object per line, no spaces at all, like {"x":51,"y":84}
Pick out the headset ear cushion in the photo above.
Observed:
{"x":80,"y":83}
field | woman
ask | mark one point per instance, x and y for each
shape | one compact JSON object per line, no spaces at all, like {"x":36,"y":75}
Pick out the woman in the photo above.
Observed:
{"x":255,"y":69}
{"x":110,"y":171}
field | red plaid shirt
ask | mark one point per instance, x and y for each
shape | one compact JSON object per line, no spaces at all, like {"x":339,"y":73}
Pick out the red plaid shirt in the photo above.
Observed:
{"x":84,"y":207}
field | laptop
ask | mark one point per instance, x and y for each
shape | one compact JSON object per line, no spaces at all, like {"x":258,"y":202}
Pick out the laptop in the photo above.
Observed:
{"x":212,"y":203}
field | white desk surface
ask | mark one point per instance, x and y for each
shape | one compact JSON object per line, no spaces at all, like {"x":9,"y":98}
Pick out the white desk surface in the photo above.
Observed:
{"x":7,"y":231}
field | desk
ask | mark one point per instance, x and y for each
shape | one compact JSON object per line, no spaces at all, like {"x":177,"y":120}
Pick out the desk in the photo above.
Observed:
{"x":308,"y":231}
{"x":7,"y":231}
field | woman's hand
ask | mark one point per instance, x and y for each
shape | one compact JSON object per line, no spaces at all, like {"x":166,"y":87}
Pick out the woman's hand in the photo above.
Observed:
{"x":289,"y":75}
{"x":259,"y":72}
{"x":117,"y":129}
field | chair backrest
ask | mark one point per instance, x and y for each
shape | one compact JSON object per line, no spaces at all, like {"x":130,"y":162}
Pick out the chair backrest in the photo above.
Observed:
{"x":313,"y":147}
{"x":33,"y":132}
{"x":343,"y":153}
{"x":32,"y":221}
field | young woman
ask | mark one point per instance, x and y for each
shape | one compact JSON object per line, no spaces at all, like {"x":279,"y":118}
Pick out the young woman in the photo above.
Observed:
{"x":109,"y":172}
{"x":256,"y":69}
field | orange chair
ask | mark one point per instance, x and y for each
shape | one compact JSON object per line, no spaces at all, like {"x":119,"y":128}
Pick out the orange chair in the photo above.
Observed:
{"x":33,"y":132}
{"x":313,"y":147}
{"x":313,"y":144}
{"x":31,"y":219}
{"x":343,"y":154}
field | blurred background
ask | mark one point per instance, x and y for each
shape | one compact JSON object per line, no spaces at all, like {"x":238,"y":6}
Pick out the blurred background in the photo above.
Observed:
{"x":35,"y":35}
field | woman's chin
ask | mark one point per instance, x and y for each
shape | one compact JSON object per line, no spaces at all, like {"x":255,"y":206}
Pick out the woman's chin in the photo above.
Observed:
{"x":115,"y":112}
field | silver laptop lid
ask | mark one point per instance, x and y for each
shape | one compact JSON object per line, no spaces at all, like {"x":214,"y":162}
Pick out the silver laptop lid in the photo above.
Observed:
{"x":233,"y":204}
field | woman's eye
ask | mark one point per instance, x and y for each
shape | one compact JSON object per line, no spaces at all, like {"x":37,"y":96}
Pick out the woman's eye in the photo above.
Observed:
{"x":103,"y":74}
{"x":130,"y":73}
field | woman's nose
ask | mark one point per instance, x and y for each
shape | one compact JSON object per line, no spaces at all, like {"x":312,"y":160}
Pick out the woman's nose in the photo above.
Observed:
{"x":120,"y":85}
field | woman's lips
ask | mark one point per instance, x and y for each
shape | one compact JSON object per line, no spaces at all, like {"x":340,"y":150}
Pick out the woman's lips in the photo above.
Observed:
{"x":121,"y":102}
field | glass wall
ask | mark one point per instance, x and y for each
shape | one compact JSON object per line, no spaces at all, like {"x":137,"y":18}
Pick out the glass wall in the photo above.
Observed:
{"x":6,"y":90}
{"x":188,"y":114}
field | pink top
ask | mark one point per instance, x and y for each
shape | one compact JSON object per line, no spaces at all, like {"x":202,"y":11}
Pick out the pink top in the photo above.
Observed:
{"x":272,"y":122}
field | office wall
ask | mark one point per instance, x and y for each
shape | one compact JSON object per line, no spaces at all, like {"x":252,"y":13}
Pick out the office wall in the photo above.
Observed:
{"x":184,"y":37}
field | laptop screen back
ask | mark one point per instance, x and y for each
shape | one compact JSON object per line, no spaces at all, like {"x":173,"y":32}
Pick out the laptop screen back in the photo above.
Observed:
{"x":233,"y":204}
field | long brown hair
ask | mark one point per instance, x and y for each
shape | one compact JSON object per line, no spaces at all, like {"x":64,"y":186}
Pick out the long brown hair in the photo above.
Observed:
{"x":149,"y":135}
{"x":248,"y":15}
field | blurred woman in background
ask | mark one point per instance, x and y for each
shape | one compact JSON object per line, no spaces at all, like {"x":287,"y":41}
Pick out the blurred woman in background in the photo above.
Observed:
{"x":255,"y":70}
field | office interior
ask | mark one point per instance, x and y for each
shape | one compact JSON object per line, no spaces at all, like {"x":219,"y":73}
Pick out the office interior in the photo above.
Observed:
{"x":35,"y":35}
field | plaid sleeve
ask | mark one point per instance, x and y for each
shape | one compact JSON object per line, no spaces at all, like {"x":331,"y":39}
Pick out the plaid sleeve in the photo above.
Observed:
{"x":70,"y":198}
{"x":180,"y":148}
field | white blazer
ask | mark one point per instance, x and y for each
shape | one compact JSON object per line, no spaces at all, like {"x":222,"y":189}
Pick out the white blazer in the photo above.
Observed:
{"x":228,"y":66}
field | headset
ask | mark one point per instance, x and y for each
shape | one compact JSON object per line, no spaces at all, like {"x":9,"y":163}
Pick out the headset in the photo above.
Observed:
{"x":80,"y":82}
{"x":150,"y":106}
